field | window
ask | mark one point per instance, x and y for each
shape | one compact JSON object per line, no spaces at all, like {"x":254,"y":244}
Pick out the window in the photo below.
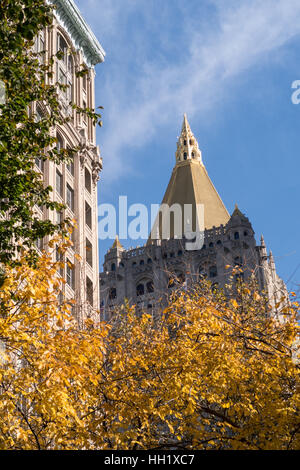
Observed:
{"x":39,"y":46}
{"x":112,"y":293}
{"x":65,"y":70}
{"x":84,"y":116}
{"x":88,"y":180}
{"x":39,"y":244}
{"x":89,"y":252}
{"x":62,"y":47}
{"x":180,"y":253}
{"x":70,"y":197}
{"x":70,"y":274}
{"x":59,"y":143}
{"x":59,"y":183}
{"x":236,"y":236}
{"x":88,"y":215}
{"x":246,"y":233}
{"x":185,"y":155}
{"x":140,"y":290}
{"x":84,"y":82}
{"x":70,"y":65}
{"x":38,"y":114}
{"x":70,"y":166}
{"x":149,"y":261}
{"x":219,"y":243}
{"x":89,"y":291}
{"x":150,"y":287}
{"x":213,"y":272}
{"x":40,"y":164}
{"x":211,"y":245}
{"x":59,"y":217}
{"x":113,"y":267}
{"x":59,"y":259}
{"x":142,"y":262}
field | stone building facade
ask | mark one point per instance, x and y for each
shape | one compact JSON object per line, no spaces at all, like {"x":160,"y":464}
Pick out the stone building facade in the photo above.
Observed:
{"x":75,"y":184}
{"x":146,"y":275}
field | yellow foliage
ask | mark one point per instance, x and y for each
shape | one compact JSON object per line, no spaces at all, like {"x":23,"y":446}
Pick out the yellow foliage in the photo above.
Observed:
{"x":208,"y":374}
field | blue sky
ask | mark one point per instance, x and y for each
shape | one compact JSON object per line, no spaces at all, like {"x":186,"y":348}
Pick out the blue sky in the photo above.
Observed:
{"x":229,"y":64}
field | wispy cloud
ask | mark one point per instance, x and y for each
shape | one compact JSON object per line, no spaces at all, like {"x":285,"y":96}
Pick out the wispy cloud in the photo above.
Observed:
{"x":146,"y":87}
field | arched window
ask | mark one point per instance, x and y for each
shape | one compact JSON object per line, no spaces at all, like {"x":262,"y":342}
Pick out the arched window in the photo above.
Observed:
{"x":236,"y":235}
{"x":213,"y":272}
{"x":191,"y":142}
{"x":185,"y":142}
{"x":150,"y":287}
{"x":219,"y":243}
{"x":179,"y":253}
{"x":140,"y":290}
{"x":112,"y":293}
{"x":121,"y":265}
{"x":113,"y":267}
{"x":142,"y":262}
{"x":193,"y":155}
{"x":133,"y":264}
{"x":211,"y":245}
{"x":149,"y":261}
{"x":185,"y":155}
{"x":172,"y":255}
{"x":246,"y":233}
{"x":59,"y":142}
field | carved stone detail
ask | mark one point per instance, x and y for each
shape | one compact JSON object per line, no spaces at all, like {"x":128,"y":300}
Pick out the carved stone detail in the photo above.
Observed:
{"x":97,"y":167}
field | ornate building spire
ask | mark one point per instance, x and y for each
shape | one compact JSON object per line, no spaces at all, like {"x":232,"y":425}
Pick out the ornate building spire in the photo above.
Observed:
{"x":263,"y":247}
{"x":117,"y":244}
{"x":187,"y":145}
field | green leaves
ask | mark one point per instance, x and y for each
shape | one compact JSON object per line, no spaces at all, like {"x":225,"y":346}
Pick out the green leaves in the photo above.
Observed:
{"x":23,"y":139}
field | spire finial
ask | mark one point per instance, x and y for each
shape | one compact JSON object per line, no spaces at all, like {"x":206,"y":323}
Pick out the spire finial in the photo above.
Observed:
{"x":117,"y":243}
{"x":187,"y":145}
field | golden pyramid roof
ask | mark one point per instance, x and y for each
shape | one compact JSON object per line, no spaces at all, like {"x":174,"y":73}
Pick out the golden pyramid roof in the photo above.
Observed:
{"x":190,"y":184}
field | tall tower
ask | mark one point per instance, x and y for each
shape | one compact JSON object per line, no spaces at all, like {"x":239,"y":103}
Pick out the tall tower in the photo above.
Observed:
{"x":75,"y":184}
{"x":147,"y":275}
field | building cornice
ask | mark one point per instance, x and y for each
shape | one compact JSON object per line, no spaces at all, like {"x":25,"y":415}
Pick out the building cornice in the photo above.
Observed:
{"x":69,"y":15}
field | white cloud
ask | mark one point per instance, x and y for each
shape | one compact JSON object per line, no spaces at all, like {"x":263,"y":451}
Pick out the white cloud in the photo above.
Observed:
{"x":156,"y":91}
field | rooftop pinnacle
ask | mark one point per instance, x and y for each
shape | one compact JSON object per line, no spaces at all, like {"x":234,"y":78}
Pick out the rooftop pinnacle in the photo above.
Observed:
{"x":191,"y":186}
{"x":187,"y":145}
{"x":117,"y":244}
